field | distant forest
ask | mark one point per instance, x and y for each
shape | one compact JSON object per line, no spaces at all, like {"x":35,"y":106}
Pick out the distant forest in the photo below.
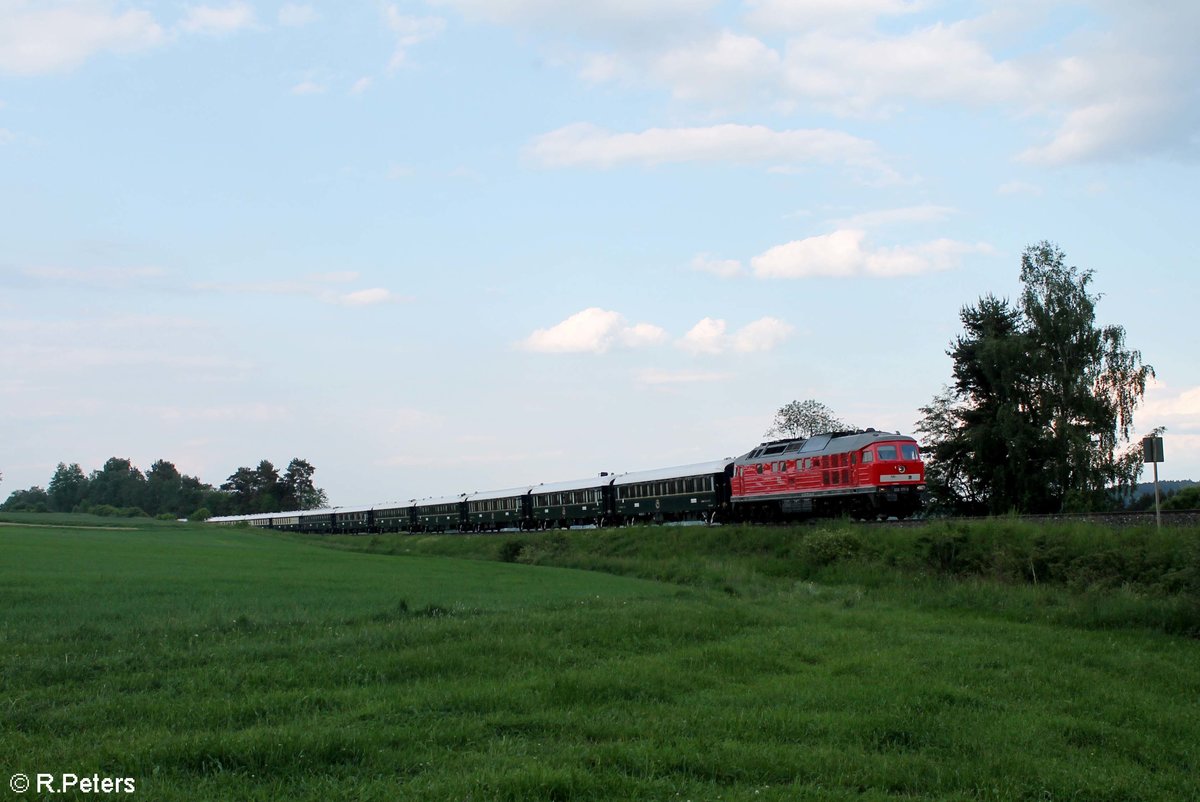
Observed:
{"x":121,"y":489}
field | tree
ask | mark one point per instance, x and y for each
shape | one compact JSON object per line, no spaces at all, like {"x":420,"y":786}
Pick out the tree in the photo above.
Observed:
{"x":300,"y":493}
{"x":243,"y":487}
{"x":1041,"y":410}
{"x":166,"y":490}
{"x":804,"y":419}
{"x":119,"y":484}
{"x":68,"y":487}
{"x":262,"y":490}
{"x":34,"y":499}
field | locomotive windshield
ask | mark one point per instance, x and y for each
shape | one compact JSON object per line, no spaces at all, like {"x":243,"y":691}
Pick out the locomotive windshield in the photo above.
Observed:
{"x":906,"y":451}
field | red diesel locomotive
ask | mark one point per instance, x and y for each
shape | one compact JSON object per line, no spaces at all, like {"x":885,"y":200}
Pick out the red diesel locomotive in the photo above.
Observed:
{"x":866,"y":473}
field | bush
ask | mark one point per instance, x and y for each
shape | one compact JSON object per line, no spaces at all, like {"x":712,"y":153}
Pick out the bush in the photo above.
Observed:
{"x":164,"y":516}
{"x":201,"y":514}
{"x":510,"y":551}
{"x":825,"y":546}
{"x":1186,"y":499}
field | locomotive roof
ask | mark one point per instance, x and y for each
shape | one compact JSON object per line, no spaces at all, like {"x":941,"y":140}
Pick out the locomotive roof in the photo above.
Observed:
{"x":574,"y":484}
{"x":491,"y":494}
{"x":818,"y":444}
{"x":678,"y":472}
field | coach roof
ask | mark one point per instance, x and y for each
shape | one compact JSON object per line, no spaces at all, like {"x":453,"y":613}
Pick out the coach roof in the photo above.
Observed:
{"x":678,"y":472}
{"x":487,"y":495}
{"x":573,"y":484}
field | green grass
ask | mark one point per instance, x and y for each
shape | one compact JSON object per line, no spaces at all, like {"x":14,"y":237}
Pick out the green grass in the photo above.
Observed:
{"x":227,"y":664}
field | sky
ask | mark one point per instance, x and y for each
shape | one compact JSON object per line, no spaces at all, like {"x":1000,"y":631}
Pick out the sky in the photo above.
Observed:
{"x":455,"y":245}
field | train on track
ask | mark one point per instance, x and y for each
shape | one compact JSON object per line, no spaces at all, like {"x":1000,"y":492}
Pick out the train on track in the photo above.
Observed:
{"x":863,"y":473}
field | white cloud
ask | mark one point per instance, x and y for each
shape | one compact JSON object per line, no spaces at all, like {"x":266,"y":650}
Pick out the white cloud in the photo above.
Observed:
{"x":709,"y":336}
{"x":361,"y":85}
{"x":37,"y":38}
{"x":725,"y":268}
{"x":629,"y":20}
{"x":409,"y":31}
{"x":593,"y":330}
{"x":585,"y":145}
{"x":788,"y":15}
{"x":870,"y":74}
{"x":1102,"y":130}
{"x":1173,"y":408}
{"x":218,"y":19}
{"x":375,"y":295}
{"x":706,"y":337}
{"x":308,"y":88}
{"x":315,"y":286}
{"x":295,"y":15}
{"x":729,"y":68}
{"x":761,"y":335}
{"x":846,"y":253}
{"x":924,"y":213}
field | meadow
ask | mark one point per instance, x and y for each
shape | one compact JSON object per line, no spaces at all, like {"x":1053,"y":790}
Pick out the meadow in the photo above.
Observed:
{"x":683,"y":664}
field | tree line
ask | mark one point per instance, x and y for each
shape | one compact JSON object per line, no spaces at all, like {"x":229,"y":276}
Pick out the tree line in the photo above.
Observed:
{"x":120,"y":488}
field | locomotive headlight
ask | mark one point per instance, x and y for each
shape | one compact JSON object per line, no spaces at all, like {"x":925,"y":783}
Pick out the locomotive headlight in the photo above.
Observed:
{"x":920,"y":488}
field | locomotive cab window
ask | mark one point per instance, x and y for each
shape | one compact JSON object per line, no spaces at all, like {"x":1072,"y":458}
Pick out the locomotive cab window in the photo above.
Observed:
{"x":909,"y":451}
{"x":867,"y":456}
{"x":886,"y":452}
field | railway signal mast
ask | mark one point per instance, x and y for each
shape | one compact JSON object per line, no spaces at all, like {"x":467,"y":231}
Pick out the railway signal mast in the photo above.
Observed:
{"x":1152,"y":451}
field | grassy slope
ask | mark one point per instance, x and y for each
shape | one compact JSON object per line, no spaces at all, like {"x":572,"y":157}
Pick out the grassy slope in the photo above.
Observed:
{"x":232,"y":665}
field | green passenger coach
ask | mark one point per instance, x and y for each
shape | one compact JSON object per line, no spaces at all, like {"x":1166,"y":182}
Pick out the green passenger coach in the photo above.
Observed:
{"x":495,"y":510}
{"x":698,"y":492}
{"x":579,"y":502}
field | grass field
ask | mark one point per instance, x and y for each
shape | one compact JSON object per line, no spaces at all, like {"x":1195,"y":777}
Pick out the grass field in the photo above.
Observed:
{"x":229,"y":664}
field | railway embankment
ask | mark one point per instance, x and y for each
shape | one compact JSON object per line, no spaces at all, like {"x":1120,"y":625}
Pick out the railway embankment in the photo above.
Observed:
{"x":1091,"y":573}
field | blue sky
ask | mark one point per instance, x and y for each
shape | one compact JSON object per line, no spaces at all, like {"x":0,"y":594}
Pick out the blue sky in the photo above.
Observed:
{"x":464,"y":244}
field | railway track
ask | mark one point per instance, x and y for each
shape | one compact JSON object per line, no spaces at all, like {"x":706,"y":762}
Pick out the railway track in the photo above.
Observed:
{"x":1119,"y":518}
